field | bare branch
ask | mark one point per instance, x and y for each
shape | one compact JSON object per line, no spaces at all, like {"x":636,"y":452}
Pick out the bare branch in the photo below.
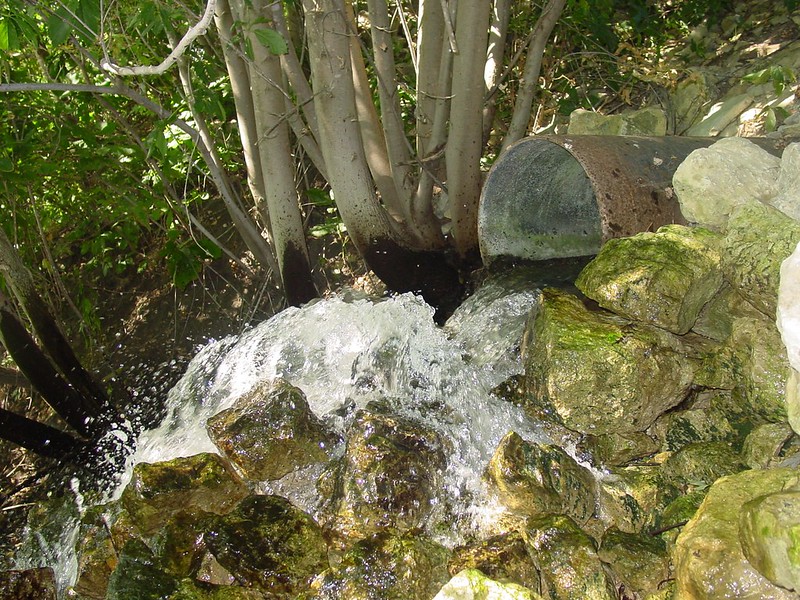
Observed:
{"x":180,"y":48}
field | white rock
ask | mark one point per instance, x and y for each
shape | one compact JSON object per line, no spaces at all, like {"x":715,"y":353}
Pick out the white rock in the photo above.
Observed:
{"x":712,"y":181}
{"x":787,"y":200}
{"x":788,"y":313}
{"x":471,"y":584}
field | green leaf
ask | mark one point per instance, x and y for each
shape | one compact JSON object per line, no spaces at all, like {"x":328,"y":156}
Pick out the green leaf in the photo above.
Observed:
{"x":272,"y":40}
{"x":771,"y":120}
{"x":4,"y":35}
{"x":58,"y":27}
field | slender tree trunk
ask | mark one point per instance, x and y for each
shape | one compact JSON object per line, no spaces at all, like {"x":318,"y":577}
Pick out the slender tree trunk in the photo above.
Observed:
{"x":38,"y":437}
{"x":498,"y":32}
{"x":465,"y":141}
{"x":533,"y":64}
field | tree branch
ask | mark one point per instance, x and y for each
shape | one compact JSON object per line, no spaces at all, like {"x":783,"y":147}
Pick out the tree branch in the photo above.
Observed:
{"x":180,"y":48}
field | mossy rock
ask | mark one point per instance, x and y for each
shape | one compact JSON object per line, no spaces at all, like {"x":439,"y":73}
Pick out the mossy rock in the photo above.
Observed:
{"x":629,"y":497}
{"x":501,"y":557}
{"x":679,"y":266}
{"x":139,"y":575}
{"x":698,"y":465}
{"x":472,"y":584}
{"x":639,"y":562}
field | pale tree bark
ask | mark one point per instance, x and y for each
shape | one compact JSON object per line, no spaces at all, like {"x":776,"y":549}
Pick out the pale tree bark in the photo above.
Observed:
{"x":498,"y":33}
{"x":277,"y":165}
{"x":533,"y":64}
{"x":465,"y":139}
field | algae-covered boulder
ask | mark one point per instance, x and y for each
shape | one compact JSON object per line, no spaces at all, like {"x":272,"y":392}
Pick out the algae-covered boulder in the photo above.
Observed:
{"x":679,"y":428}
{"x":389,"y":566}
{"x":629,"y":497}
{"x":663,"y":278}
{"x":567,"y":560}
{"x":532,"y":478}
{"x":712,"y":181}
{"x":28,"y":584}
{"x":757,"y":241}
{"x":268,"y":543}
{"x":140,"y":575}
{"x":502,"y":557}
{"x":599,"y":373}
{"x":708,"y":557}
{"x":157,"y":491}
{"x":189,"y":589}
{"x":271,"y":431}
{"x":617,"y":449}
{"x":639,"y":562}
{"x":700,"y":464}
{"x":650,"y":120}
{"x":389,"y":476}
{"x":769,"y":530}
{"x":767,"y":445}
{"x":471,"y":584}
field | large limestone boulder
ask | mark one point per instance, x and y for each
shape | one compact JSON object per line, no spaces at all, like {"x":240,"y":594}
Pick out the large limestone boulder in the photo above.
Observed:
{"x":787,"y":200}
{"x":158,"y":491}
{"x":770,"y":536}
{"x":759,"y":238}
{"x":679,"y":266}
{"x":532,"y":478}
{"x":270,"y":432}
{"x":471,"y":584}
{"x":389,"y":476}
{"x":708,"y":557}
{"x":599,"y":373}
{"x":567,"y":559}
{"x":269,"y":544}
{"x":388,"y":565}
{"x":712,"y":181}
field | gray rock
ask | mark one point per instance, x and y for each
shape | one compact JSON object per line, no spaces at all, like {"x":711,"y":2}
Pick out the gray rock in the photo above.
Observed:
{"x":532,"y":479}
{"x":769,"y":529}
{"x":715,"y":122}
{"x":599,"y":373}
{"x":712,"y":181}
{"x":646,"y":121}
{"x":679,"y":266}
{"x":270,"y":432}
{"x":691,"y":98}
{"x":708,"y":558}
{"x":787,"y":200}
{"x":471,"y":584}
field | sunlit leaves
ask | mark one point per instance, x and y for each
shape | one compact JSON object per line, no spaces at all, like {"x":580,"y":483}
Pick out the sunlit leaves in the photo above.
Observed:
{"x":272,"y":40}
{"x":81,"y":17}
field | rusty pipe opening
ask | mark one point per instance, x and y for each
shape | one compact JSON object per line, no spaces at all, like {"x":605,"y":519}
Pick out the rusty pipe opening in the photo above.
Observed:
{"x":563,"y":196}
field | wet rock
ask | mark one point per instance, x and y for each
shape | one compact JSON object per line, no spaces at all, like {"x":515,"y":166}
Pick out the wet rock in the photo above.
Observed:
{"x":389,"y":566}
{"x":503,"y":557}
{"x":716,"y":319}
{"x":764,"y":446}
{"x":639,"y":562}
{"x":471,"y":584}
{"x":97,"y":558}
{"x":698,"y":465}
{"x":787,"y":200}
{"x":758,"y":239}
{"x":629,"y":497}
{"x":195,"y":590}
{"x":180,"y":544}
{"x":567,"y":560}
{"x":268,"y":543}
{"x":708,"y":558}
{"x":681,"y":428}
{"x":139,"y":575}
{"x":769,"y":530}
{"x":617,"y":449}
{"x":270,"y":432}
{"x":599,"y":373}
{"x":705,"y":180}
{"x":679,"y":265}
{"x":158,"y":491}
{"x":389,"y":476}
{"x":28,"y":584}
{"x":676,"y":514}
{"x":532,"y":478}
{"x":646,"y":121}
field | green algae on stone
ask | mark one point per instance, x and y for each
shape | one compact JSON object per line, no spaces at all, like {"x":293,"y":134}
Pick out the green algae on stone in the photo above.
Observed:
{"x":532,"y":478}
{"x":708,"y":557}
{"x":681,"y":428}
{"x":389,"y":476}
{"x":472,"y":584}
{"x":157,"y":491}
{"x":630,"y":496}
{"x":758,"y":239}
{"x":270,"y":432}
{"x":617,"y":449}
{"x":639,"y":562}
{"x":268,"y":543}
{"x":765,"y":445}
{"x":663,"y":278}
{"x":600,"y":373}
{"x":389,"y":565}
{"x":567,"y":560}
{"x":189,"y":589}
{"x":769,"y":530}
{"x":501,"y":557}
{"x":139,"y":575}
{"x":698,"y":465}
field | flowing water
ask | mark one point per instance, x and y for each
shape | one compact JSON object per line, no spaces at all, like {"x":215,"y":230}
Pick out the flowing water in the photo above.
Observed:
{"x":347,"y":350}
